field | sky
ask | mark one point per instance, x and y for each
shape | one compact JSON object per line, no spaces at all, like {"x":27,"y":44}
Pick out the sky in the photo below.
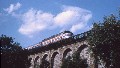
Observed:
{"x":31,"y":21}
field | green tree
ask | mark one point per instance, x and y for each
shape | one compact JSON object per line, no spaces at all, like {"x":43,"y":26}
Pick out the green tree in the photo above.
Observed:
{"x":44,"y":64}
{"x":104,"y":41}
{"x":74,"y":62}
{"x":12,"y":55}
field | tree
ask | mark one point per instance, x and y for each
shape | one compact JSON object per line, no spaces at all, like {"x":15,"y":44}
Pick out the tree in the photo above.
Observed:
{"x":74,"y":62}
{"x":44,"y":64}
{"x":12,"y":55}
{"x":104,"y":41}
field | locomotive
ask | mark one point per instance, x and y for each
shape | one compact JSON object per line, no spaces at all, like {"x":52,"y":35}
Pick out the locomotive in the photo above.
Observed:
{"x":53,"y":39}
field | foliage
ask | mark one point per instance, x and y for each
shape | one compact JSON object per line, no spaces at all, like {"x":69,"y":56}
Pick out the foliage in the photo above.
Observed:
{"x":74,"y":62}
{"x":12,"y":55}
{"x":45,"y":64}
{"x":104,"y":39}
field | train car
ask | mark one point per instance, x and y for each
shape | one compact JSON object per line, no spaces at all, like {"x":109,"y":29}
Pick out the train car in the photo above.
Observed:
{"x":53,"y":39}
{"x":57,"y":37}
{"x":66,"y":34}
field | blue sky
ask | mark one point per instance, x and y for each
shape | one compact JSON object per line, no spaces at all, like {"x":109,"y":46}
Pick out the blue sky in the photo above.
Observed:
{"x":30,"y":21}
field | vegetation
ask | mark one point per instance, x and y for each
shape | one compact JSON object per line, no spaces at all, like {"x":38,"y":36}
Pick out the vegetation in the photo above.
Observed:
{"x":74,"y":62}
{"x":104,"y":41}
{"x":12,"y":55}
{"x":44,"y":64}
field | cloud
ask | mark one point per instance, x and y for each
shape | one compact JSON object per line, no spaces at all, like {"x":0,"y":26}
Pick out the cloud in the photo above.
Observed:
{"x":13,"y":7}
{"x":70,"y":18}
{"x":64,"y":18}
{"x":73,"y":18}
{"x":76,"y":27}
{"x":35,"y":21}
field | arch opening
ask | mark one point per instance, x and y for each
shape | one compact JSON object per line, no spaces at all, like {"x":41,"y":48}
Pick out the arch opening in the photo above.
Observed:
{"x":30,"y":59}
{"x":81,"y":48}
{"x":67,"y":53}
{"x":54,"y":60}
{"x":44,"y":62}
{"x":36,"y":59}
{"x":83,"y":52}
{"x":44,"y":57}
{"x":36,"y":62}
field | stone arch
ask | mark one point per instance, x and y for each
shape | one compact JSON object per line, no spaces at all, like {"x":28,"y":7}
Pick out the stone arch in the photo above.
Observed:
{"x":81,"y":48}
{"x":30,"y":59}
{"x":83,"y":51}
{"x":44,"y":57}
{"x":36,"y":62}
{"x":53,"y":59}
{"x":44,"y":62}
{"x":68,"y":50}
{"x":36,"y":58}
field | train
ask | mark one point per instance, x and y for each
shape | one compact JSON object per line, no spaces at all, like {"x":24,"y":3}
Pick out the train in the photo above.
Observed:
{"x":53,"y":39}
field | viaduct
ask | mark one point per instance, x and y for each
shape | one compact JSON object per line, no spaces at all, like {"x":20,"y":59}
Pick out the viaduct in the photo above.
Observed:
{"x":54,"y":53}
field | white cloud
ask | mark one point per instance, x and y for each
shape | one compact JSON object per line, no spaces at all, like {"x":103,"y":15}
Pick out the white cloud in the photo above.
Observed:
{"x":13,"y":7}
{"x":35,"y":21}
{"x":71,"y":18}
{"x":76,"y":27}
{"x":64,"y":18}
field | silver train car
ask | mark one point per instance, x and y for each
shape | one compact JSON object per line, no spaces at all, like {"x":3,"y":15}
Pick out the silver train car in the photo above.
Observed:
{"x":53,"y":39}
{"x":57,"y":37}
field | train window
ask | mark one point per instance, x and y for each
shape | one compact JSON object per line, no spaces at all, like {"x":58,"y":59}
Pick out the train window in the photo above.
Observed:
{"x":50,"y":40}
{"x":68,"y":34}
{"x":59,"y":37}
{"x":53,"y":39}
{"x":56,"y":38}
{"x":43,"y":43}
{"x":46,"y":42}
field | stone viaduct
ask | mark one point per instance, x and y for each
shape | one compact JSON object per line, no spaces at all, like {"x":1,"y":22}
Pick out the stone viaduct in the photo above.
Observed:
{"x":54,"y":53}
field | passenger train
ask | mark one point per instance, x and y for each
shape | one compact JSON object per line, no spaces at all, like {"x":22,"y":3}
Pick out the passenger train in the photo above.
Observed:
{"x":53,"y":39}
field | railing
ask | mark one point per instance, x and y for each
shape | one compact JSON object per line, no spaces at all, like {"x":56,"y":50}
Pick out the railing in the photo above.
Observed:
{"x":78,"y":36}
